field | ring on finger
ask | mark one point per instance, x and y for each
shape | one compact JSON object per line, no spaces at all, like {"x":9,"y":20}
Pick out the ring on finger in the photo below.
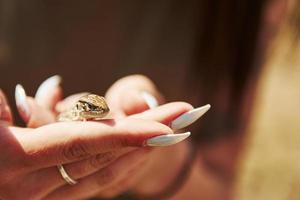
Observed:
{"x":65,"y":175}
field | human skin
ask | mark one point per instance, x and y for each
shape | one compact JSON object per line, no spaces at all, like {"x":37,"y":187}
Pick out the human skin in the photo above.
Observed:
{"x":101,"y":154}
{"x":142,"y":188}
{"x":226,"y":149}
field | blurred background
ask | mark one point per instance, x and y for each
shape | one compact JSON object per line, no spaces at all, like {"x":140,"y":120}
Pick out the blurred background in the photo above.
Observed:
{"x":239,"y":56}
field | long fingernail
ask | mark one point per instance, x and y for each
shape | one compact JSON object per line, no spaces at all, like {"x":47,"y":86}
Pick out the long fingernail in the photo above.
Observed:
{"x":166,"y":140}
{"x":21,"y":101}
{"x":46,"y":86}
{"x":150,"y":99}
{"x":188,"y":118}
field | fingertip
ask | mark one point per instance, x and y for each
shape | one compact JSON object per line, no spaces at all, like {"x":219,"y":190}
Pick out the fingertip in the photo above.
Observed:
{"x":189,"y":117}
{"x":133,"y":102}
{"x":147,"y":126}
{"x":150,"y":100}
{"x":49,"y":92}
{"x":166,"y":140}
{"x":22,"y":103}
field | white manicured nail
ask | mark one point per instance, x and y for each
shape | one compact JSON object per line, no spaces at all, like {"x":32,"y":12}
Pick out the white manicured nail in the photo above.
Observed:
{"x":48,"y":85}
{"x":166,"y":140}
{"x":21,"y":101}
{"x":188,"y":118}
{"x":150,"y":100}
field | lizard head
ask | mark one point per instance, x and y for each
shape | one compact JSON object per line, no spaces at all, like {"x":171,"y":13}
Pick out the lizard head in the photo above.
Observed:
{"x":92,"y":106}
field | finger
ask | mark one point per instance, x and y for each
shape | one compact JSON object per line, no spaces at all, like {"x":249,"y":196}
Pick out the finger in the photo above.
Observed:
{"x":177,"y":115}
{"x":141,"y":90}
{"x":135,"y":104}
{"x":39,"y":115}
{"x":69,"y":102}
{"x":91,"y":185}
{"x":125,"y":183}
{"x":5,"y":112}
{"x":6,"y":143}
{"x":49,"y":92}
{"x":166,"y":113}
{"x":76,"y":170}
{"x":66,"y":142}
{"x":32,"y":113}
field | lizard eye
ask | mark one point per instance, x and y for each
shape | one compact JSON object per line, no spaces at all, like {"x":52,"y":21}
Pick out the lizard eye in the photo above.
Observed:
{"x":85,"y":107}
{"x":90,"y":107}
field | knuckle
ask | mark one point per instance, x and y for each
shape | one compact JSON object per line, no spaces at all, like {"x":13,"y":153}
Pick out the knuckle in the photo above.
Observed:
{"x":75,"y":150}
{"x":129,"y":142}
{"x":122,"y":140}
{"x":119,"y":141}
{"x":102,"y":159}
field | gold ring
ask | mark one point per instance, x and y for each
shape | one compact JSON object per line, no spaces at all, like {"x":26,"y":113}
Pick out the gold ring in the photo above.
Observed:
{"x":65,"y":175}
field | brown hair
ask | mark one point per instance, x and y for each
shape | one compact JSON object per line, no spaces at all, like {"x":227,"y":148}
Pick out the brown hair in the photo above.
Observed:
{"x":229,"y":59}
{"x":227,"y":62}
{"x":294,"y":20}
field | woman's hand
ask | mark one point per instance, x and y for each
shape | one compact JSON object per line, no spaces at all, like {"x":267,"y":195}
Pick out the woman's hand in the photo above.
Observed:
{"x":138,"y":86}
{"x":137,"y":93}
{"x":100,"y":155}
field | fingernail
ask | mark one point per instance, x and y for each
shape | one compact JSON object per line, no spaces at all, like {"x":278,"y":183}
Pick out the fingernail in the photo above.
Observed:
{"x":188,"y":118}
{"x":150,"y":100}
{"x":166,"y":140}
{"x":46,"y":86}
{"x":21,"y":101}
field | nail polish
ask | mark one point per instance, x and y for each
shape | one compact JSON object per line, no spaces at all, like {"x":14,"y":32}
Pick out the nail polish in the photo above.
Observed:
{"x":189,"y":117}
{"x":21,"y":101}
{"x":166,"y":140}
{"x":150,"y":99}
{"x":46,"y":86}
